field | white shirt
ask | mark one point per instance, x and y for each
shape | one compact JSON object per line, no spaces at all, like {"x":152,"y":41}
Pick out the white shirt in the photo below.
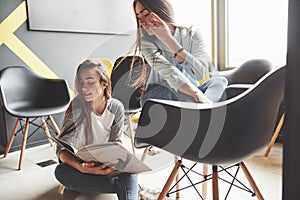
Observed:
{"x":101,"y":126}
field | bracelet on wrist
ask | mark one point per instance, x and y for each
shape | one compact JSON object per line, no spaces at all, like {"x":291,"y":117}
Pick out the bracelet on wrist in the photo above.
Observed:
{"x":178,"y":51}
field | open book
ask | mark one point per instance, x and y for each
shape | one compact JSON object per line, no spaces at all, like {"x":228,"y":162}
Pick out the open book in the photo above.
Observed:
{"x":111,"y":152}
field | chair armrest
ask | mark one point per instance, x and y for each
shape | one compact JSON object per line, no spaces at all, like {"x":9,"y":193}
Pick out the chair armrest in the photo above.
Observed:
{"x":235,"y":89}
{"x":247,"y":73}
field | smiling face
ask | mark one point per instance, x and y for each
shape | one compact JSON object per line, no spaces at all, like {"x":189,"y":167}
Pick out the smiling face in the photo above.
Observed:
{"x":90,"y":86}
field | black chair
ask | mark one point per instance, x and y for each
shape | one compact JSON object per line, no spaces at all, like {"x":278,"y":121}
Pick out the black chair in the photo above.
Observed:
{"x":241,"y":78}
{"x":28,"y":96}
{"x":247,"y":73}
{"x":222,"y":135}
{"x":121,"y":81}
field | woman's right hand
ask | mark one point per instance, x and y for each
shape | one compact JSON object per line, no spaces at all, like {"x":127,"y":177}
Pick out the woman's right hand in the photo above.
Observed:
{"x":160,"y":28}
{"x":199,"y":97}
{"x":92,"y":168}
{"x":194,"y":92}
{"x":85,"y":167}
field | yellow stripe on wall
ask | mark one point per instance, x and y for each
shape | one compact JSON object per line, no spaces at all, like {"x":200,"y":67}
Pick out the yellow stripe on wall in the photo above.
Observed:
{"x":13,"y":21}
{"x":7,"y":28}
{"x":28,"y":57}
{"x":7,"y":37}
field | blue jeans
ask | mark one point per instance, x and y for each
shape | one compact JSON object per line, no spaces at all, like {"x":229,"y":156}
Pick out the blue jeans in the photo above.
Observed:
{"x":157,"y":91}
{"x":214,"y":88}
{"x":125,"y":184}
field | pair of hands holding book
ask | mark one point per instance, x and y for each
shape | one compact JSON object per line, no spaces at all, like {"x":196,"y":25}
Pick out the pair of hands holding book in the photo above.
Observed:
{"x":102,"y":159}
{"x":95,"y":168}
{"x":86,"y":167}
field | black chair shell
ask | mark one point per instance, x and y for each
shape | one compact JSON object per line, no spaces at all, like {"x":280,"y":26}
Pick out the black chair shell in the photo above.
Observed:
{"x":26,"y":94}
{"x":218,"y":134}
{"x":249,"y":72}
{"x":121,"y":83}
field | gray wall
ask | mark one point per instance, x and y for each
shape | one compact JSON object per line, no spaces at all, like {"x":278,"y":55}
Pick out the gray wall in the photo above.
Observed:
{"x":61,"y":52}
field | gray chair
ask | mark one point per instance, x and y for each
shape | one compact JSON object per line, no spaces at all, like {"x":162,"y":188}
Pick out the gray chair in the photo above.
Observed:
{"x":121,"y":80}
{"x":28,"y":97}
{"x":240,"y":78}
{"x":247,"y":73}
{"x":123,"y":91}
{"x":121,"y":83}
{"x":222,"y":135}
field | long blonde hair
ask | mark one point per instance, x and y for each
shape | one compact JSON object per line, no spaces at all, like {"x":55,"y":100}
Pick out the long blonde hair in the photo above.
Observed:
{"x":79,"y":103}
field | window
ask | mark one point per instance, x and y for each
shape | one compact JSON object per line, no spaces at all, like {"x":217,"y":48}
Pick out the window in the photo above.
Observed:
{"x":257,"y":29}
{"x":242,"y":29}
{"x":196,"y":13}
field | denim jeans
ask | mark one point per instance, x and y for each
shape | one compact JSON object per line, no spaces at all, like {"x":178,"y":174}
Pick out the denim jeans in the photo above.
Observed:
{"x":156,"y":91}
{"x":125,"y":184}
{"x":214,"y":88}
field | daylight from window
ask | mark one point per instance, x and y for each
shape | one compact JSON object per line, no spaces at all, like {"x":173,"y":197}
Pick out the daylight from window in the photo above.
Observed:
{"x":257,"y":29}
{"x":195,"y":13}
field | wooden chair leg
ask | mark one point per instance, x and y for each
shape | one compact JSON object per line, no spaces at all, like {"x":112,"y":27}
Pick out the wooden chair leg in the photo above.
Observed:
{"x":54,"y":125}
{"x":152,"y":149}
{"x":215,"y":185}
{"x":170,"y":180}
{"x":12,"y":136}
{"x":251,"y":181}
{"x":177,"y":180}
{"x":275,"y":135}
{"x":131,"y":136}
{"x":44,"y":124}
{"x":24,"y":141}
{"x":146,"y":150}
{"x":61,"y":189}
{"x":130,"y":133}
{"x":145,"y":153}
{"x":204,"y":184}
